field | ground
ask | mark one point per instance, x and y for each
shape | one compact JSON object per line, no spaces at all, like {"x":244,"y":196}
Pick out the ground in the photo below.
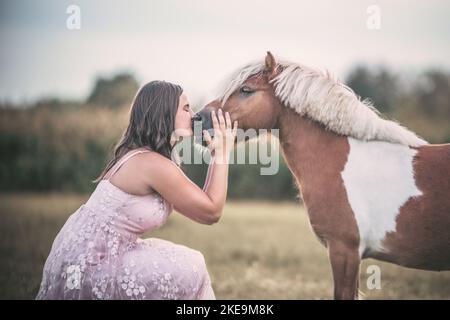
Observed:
{"x":258,"y":250}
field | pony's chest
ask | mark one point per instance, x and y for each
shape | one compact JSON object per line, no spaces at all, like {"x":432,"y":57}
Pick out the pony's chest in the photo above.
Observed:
{"x":378,"y":178}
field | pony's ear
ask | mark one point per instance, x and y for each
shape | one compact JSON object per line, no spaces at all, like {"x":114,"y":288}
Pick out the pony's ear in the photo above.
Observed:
{"x":271,"y":65}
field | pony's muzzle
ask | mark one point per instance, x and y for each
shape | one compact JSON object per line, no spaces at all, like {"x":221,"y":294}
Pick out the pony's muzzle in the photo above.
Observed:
{"x":202,"y":121}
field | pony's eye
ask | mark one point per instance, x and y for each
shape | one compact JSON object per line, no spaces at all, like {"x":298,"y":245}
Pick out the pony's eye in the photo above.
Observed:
{"x":246,"y":90}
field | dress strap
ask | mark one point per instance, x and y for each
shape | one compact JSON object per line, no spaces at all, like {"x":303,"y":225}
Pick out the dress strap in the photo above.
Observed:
{"x":125,"y":159}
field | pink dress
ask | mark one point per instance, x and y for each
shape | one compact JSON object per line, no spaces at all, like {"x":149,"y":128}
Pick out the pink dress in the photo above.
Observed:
{"x":98,"y":253}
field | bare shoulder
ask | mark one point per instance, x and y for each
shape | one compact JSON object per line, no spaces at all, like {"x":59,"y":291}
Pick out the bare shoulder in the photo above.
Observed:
{"x":156,"y":164}
{"x":152,"y":159}
{"x":151,"y":156}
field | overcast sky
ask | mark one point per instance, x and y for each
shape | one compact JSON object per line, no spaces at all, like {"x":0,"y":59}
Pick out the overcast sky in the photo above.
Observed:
{"x":197,"y":43}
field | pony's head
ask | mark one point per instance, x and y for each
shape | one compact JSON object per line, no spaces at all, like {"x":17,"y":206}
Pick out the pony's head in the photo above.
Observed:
{"x":249,"y":97}
{"x":256,"y":94}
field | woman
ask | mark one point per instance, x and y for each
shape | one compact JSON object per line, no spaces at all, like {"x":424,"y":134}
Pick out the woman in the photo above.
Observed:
{"x":98,"y":253}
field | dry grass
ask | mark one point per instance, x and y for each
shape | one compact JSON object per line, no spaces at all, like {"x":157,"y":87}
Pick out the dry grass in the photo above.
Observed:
{"x":259,"y":250}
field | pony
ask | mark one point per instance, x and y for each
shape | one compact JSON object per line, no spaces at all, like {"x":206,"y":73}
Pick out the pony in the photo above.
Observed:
{"x":371,"y":187}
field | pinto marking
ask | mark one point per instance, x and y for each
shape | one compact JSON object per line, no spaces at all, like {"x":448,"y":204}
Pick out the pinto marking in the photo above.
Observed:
{"x":379,"y":180}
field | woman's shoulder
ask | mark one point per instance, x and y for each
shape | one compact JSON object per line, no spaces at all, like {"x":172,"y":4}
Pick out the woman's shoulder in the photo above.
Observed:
{"x":153,"y":155}
{"x":153,"y":160}
{"x":156,"y":169}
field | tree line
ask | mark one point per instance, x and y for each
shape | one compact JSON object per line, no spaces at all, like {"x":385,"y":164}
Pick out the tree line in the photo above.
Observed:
{"x":58,"y":145}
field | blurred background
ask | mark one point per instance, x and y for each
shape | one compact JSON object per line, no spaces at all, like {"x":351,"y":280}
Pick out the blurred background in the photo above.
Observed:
{"x":65,"y":93}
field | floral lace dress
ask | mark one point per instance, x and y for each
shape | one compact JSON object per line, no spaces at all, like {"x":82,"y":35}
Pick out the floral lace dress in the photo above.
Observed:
{"x":98,"y":253}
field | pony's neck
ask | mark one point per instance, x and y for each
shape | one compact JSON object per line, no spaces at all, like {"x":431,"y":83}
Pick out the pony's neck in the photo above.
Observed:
{"x":314,"y":155}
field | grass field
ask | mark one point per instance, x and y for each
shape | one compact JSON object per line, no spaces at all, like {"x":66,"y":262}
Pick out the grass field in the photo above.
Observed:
{"x":258,"y":250}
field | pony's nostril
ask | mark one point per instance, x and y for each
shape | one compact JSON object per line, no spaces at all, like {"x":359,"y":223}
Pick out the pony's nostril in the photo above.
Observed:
{"x":201,"y":121}
{"x":195,"y":120}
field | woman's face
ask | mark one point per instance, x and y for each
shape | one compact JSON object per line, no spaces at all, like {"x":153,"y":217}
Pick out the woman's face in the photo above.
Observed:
{"x":183,"y":118}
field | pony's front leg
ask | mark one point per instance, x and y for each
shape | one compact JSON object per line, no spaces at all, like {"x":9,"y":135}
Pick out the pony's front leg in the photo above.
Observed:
{"x":345,"y":263}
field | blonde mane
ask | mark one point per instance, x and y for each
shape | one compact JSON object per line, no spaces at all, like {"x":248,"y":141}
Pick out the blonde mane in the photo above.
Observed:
{"x":320,"y":97}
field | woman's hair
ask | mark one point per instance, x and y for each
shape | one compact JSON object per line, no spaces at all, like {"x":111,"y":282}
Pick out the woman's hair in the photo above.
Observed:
{"x":152,"y":121}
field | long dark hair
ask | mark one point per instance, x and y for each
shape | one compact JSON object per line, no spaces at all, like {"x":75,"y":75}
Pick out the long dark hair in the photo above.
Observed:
{"x":152,"y":121}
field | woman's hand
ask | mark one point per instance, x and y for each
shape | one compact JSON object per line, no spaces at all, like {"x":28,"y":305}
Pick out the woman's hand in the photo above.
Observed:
{"x":224,"y":134}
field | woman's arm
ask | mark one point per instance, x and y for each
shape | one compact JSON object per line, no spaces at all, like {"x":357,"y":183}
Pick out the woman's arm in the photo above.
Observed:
{"x":204,"y":206}
{"x":216,"y":184}
{"x":209,"y":174}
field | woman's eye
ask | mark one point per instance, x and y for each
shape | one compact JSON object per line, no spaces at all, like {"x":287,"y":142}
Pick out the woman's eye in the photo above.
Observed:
{"x":246,"y":90}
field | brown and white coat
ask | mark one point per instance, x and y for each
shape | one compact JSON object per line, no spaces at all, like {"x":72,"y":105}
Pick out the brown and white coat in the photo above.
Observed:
{"x":372,"y":188}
